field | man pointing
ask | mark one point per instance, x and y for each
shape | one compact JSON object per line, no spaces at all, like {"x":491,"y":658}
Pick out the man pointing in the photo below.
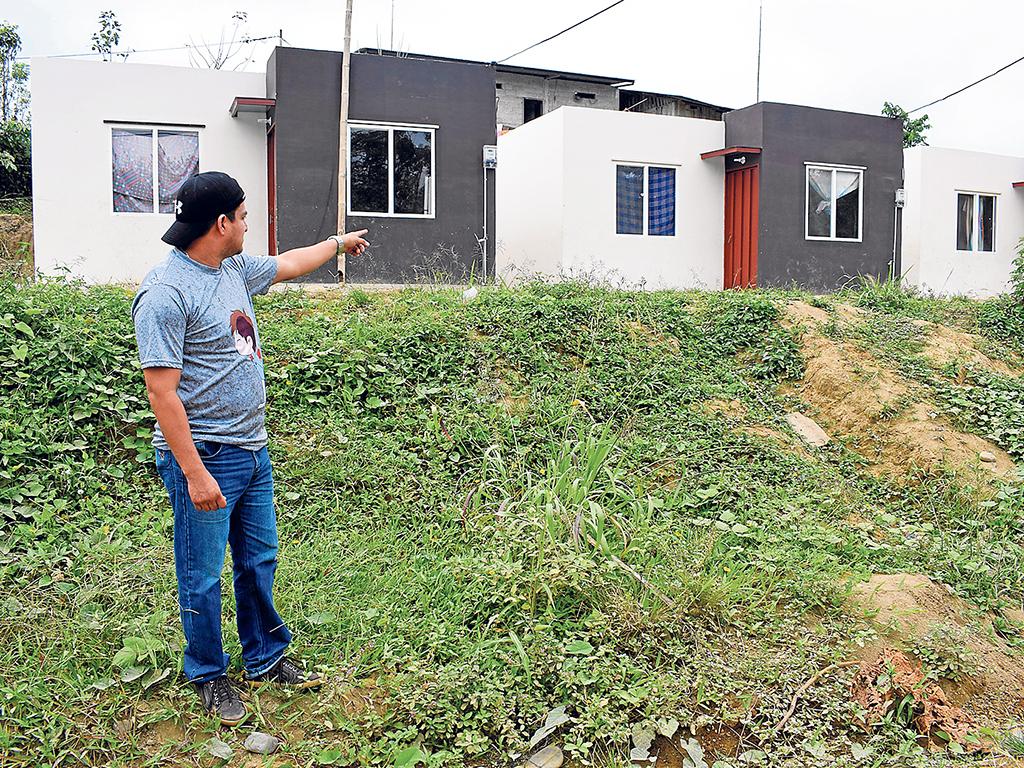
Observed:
{"x":201,"y":357}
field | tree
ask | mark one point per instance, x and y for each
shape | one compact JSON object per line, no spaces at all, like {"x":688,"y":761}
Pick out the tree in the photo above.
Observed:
{"x":216,"y":56}
{"x":109,"y":35}
{"x":913,"y":130}
{"x":13,"y":76}
{"x":15,"y":159}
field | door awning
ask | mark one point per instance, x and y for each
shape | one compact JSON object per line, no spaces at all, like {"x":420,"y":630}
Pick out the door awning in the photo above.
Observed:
{"x":1018,"y":184}
{"x":726,"y":151}
{"x":250,"y":104}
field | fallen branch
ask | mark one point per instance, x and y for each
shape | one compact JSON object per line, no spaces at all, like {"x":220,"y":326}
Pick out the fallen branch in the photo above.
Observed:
{"x":803,"y":689}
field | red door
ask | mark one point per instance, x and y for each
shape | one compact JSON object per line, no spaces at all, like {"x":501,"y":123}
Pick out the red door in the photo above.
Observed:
{"x":741,"y":228}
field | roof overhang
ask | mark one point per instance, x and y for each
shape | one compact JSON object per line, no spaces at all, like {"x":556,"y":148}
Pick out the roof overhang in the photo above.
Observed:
{"x":554,"y":74}
{"x":250,"y":104}
{"x":512,"y":69}
{"x":1018,"y":184}
{"x":726,"y":151}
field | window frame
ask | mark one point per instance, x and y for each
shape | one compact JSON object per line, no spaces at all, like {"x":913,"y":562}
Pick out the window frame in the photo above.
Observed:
{"x":644,"y":195}
{"x":976,"y":209}
{"x":391,"y":128}
{"x":153,"y":129}
{"x":834,"y":168}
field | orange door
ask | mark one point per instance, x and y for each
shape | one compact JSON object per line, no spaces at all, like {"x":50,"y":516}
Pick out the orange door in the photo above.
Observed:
{"x":741,"y":228}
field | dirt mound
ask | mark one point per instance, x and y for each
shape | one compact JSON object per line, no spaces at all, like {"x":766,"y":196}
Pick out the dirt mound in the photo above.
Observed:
{"x":802,"y":312}
{"x":907,"y":607}
{"x":894,"y":681}
{"x":886,"y":420}
{"x":943,"y":345}
{"x":15,"y":238}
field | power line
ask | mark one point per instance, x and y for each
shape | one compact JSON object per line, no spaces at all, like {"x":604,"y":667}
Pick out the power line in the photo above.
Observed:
{"x":546,"y":39}
{"x":954,"y":93}
{"x":131,"y":51}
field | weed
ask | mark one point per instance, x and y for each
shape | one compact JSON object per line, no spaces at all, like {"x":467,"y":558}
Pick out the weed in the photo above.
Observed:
{"x":944,"y":653}
{"x":881,"y":295}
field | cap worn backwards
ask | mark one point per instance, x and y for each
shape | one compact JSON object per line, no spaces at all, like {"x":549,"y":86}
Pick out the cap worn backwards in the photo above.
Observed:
{"x":200,"y":200}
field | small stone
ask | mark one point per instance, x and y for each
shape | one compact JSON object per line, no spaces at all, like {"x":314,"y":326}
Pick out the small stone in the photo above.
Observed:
{"x":218,"y":748}
{"x":987,"y":456}
{"x":469,"y":294}
{"x":261,"y":743}
{"x":549,"y":757}
{"x":807,"y":429}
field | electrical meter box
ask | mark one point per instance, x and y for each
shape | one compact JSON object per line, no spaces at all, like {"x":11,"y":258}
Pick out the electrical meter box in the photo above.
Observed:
{"x":490,"y":156}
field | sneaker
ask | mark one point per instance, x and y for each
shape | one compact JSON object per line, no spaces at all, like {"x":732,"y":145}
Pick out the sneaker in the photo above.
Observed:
{"x":286,"y":672}
{"x":220,"y":698}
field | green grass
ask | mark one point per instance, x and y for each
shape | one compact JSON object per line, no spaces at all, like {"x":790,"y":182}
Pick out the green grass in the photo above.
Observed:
{"x":486,"y":511}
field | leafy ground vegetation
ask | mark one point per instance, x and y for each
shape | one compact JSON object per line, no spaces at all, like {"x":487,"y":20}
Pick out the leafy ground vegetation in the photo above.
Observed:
{"x":555,"y":515}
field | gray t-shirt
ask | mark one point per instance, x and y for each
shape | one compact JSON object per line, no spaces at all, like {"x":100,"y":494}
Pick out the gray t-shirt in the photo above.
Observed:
{"x":200,"y":320}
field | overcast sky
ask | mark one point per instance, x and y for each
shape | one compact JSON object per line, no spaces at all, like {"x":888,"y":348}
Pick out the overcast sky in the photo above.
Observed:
{"x":842,"y":54}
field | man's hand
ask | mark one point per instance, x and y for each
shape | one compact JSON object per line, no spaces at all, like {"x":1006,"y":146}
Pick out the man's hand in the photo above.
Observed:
{"x":353,"y":242}
{"x":205,"y":492}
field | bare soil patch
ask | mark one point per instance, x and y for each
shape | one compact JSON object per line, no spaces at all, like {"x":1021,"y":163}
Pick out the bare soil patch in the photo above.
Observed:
{"x":906,"y":607}
{"x":944,"y":345}
{"x":651,"y":337}
{"x":14,"y":231}
{"x":733,"y":409}
{"x":885,"y":419}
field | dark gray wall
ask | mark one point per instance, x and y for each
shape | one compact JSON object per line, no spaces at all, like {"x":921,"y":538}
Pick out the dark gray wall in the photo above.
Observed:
{"x":457,"y":97}
{"x":307,"y":87}
{"x":744,"y":127}
{"x":791,"y":136}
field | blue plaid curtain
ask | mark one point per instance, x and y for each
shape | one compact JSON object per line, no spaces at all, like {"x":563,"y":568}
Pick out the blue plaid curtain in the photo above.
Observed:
{"x":629,"y":200}
{"x":661,"y":201}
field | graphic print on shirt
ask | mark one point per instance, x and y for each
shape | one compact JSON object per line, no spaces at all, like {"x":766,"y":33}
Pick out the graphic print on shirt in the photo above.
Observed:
{"x":243,"y":330}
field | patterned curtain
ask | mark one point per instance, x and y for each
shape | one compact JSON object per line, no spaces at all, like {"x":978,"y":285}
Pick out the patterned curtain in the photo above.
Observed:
{"x":177,"y":159}
{"x":629,"y":200}
{"x":661,"y":201}
{"x":133,"y":170}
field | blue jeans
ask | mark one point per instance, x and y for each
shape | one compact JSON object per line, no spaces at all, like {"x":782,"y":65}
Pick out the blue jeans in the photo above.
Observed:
{"x":200,"y":538}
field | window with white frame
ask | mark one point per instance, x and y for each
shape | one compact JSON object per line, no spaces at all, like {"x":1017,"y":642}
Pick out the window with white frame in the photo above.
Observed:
{"x":149,"y":166}
{"x":975,"y":222}
{"x":835,"y":202}
{"x":391,"y":171}
{"x":645,"y":200}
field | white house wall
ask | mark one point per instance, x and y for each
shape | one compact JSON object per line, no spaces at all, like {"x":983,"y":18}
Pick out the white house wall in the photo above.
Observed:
{"x":595,"y":142}
{"x":931,"y":261}
{"x":75,"y":226}
{"x":529,"y":200}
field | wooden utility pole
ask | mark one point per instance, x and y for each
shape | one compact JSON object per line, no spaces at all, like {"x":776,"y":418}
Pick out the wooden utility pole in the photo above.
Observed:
{"x":343,"y":135}
{"x":760,"y":17}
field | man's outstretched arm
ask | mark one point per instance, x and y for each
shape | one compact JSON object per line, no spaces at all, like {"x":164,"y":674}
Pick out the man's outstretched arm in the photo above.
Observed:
{"x":300,"y":261}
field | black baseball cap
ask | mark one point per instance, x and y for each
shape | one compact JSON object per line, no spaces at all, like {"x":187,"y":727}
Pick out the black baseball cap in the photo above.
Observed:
{"x":200,"y":200}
